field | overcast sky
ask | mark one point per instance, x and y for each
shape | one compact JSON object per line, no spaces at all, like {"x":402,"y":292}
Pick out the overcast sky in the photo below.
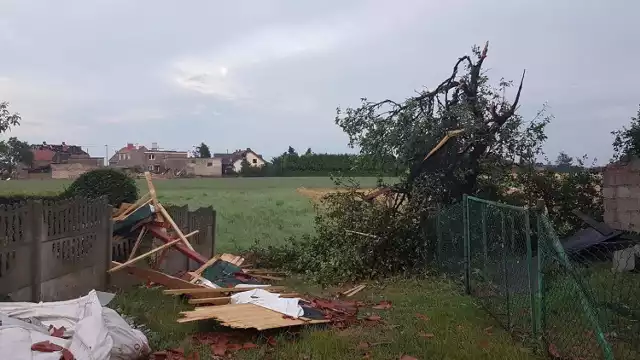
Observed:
{"x":267,"y":74}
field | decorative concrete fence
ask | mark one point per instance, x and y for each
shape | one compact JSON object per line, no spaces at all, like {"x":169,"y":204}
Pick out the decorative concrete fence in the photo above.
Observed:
{"x":60,"y":250}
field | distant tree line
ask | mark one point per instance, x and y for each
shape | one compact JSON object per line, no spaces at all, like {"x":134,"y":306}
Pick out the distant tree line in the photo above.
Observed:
{"x":290,"y":163}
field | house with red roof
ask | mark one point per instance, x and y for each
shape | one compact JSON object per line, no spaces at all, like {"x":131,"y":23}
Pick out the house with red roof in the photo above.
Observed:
{"x":62,"y":161}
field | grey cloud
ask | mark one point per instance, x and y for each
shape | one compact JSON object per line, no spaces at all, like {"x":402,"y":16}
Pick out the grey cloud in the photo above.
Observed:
{"x":97,"y":72}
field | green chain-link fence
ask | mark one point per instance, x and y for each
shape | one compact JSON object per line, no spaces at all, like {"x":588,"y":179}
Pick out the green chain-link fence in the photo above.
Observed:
{"x":575,"y":304}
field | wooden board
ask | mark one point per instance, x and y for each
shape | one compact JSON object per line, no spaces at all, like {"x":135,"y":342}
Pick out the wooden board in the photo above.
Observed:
{"x":157,"y":277}
{"x":234,"y":259}
{"x":227,"y":299}
{"x":244,"y":316}
{"x":204,"y":290}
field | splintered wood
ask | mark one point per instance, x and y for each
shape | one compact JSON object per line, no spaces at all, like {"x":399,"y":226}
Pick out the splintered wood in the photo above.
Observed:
{"x":157,"y":277}
{"x":218,"y":291}
{"x":245,"y":316}
{"x":227,"y":300}
{"x":230,"y":258}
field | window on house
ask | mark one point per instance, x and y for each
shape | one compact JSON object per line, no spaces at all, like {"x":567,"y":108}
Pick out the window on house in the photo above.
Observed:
{"x":255,"y":161}
{"x":150,"y":167}
{"x":128,"y":156}
{"x":209,"y":164}
{"x":152,"y":156}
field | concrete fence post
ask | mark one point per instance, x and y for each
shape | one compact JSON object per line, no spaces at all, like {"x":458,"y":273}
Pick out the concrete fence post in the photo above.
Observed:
{"x":214,"y":215}
{"x":108,"y":235}
{"x":38,"y":229}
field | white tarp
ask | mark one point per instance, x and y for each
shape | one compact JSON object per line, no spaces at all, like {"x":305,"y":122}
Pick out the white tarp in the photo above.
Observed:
{"x":97,"y":333}
{"x":270,"y":301}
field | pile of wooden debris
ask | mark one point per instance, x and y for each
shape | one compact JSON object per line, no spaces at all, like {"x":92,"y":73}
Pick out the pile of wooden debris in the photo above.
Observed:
{"x":222,"y":288}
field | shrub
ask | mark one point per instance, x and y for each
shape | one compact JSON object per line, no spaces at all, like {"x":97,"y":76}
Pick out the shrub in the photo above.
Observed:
{"x":113,"y":184}
{"x":19,"y":198}
{"x":395,"y":243}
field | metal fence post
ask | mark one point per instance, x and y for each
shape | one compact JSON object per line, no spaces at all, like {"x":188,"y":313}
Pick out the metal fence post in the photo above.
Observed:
{"x":587,"y":304}
{"x":505,"y":270}
{"x":535,"y":325}
{"x":485,"y":246}
{"x":467,"y":245}
{"x":540,"y":298}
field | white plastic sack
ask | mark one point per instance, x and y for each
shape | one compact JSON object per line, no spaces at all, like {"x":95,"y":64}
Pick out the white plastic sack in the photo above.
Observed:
{"x":270,"y":301}
{"x":97,"y":333}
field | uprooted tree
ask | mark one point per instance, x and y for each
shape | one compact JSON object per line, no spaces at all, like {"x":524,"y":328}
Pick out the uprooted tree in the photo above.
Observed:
{"x":491,"y":139}
{"x":485,"y":148}
{"x":493,"y":136}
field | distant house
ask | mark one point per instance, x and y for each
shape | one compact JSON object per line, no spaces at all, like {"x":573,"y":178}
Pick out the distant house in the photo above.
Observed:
{"x":154,"y":160}
{"x":205,"y":167}
{"x":233,"y":162}
{"x":49,"y":159}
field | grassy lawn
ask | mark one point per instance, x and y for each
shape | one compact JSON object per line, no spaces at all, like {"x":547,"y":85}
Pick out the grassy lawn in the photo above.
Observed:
{"x":429,"y":319}
{"x":270,"y":210}
{"x":248,"y":209}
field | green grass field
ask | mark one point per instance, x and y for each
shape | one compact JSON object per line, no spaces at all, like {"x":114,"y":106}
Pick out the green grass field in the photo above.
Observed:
{"x":429,"y":319}
{"x":268,"y":210}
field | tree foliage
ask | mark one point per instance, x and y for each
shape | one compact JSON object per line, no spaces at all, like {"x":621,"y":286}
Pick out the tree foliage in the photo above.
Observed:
{"x":248,"y":170}
{"x":564,"y":160}
{"x":494,"y":157}
{"x":562,"y":192}
{"x":493,"y":134}
{"x":7,"y":119}
{"x":202,"y":151}
{"x":339,"y":252}
{"x":310,"y":164}
{"x":12,"y":151}
{"x":626,"y":142}
{"x":114,"y":184}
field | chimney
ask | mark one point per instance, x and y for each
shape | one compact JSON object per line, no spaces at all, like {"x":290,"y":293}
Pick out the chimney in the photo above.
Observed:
{"x":130,"y":146}
{"x":154,"y":146}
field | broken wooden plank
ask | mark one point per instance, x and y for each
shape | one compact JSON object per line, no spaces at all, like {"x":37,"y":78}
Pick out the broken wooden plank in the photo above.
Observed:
{"x":362,"y":234}
{"x":264,"y":272}
{"x":204,"y":266}
{"x":354,"y":290}
{"x":227,"y":299}
{"x":245,"y":316}
{"x":152,"y":188}
{"x":137,"y":244}
{"x":189,"y":291}
{"x":157,"y":277}
{"x":175,"y":227}
{"x":123,"y":207}
{"x":233,"y":259}
{"x":143,"y":200}
{"x":145,"y":255}
{"x":266,"y":277}
{"x":192,"y":233}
